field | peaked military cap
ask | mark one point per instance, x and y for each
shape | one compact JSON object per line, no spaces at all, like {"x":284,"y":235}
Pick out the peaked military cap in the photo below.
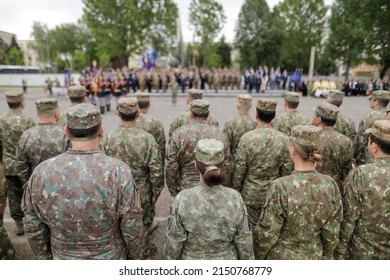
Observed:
{"x":46,"y":104}
{"x":128,"y":105}
{"x":380,"y":129}
{"x":245,"y":99}
{"x":267,"y":105}
{"x":307,"y":135}
{"x":380,"y":95}
{"x":76,"y":91}
{"x":328,"y":111}
{"x":14,"y":96}
{"x":336,"y":95}
{"x":199,"y":106}
{"x":194,"y":94}
{"x":83,"y":116}
{"x":291,"y":97}
{"x":142,"y":96}
{"x":209,"y":151}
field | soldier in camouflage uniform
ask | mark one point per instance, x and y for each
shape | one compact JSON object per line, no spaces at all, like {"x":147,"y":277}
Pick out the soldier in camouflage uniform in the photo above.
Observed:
{"x":77,"y":95}
{"x":365,"y":230}
{"x":261,"y":157}
{"x":151,"y":124}
{"x":209,"y":221}
{"x":3,"y":192}
{"x":379,"y":99}
{"x":83,"y":204}
{"x":290,"y":118}
{"x":184,"y":118}
{"x":180,"y":171}
{"x":387,"y":110}
{"x":41,"y":142}
{"x":7,"y":251}
{"x":337,"y":151}
{"x":139,"y":150}
{"x":12,"y":126}
{"x":301,"y":216}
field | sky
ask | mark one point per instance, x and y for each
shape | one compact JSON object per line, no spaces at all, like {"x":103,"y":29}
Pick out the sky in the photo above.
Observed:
{"x":17,"y":16}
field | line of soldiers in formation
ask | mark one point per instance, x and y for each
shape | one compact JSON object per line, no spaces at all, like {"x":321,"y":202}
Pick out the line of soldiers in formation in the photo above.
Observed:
{"x":273,"y":187}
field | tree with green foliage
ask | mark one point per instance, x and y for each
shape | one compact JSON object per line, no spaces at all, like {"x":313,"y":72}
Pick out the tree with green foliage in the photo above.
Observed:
{"x":14,"y":56}
{"x":3,"y":53}
{"x":207,"y":18}
{"x":224,"y":50}
{"x":79,"y":60}
{"x":259,"y":34}
{"x":42,"y":42}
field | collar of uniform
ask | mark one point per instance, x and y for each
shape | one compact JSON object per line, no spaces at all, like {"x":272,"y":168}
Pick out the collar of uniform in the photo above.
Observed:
{"x":84,"y":152}
{"x":328,"y":128}
{"x":385,"y":160}
{"x":14,"y":112}
{"x":127,"y":126}
{"x":303,"y":171}
{"x":49,"y":123}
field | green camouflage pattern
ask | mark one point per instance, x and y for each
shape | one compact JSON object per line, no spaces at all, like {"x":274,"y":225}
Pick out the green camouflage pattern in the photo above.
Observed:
{"x":337,"y":155}
{"x":14,"y":96}
{"x":208,"y":224}
{"x":307,"y":135}
{"x":209,"y":151}
{"x":380,"y":129}
{"x":83,"y":116}
{"x":46,"y":104}
{"x":38,"y":144}
{"x":380,"y":94}
{"x":12,"y":126}
{"x":328,"y":111}
{"x":7,"y":251}
{"x":291,"y":96}
{"x":180,"y":171}
{"x":128,"y":105}
{"x":199,"y":106}
{"x":76,"y":91}
{"x":300,"y":218}
{"x":284,"y":122}
{"x":261,"y":157}
{"x":184,"y":119}
{"x":365,"y":229}
{"x":83,"y":205}
{"x":266,"y":105}
{"x":346,"y":126}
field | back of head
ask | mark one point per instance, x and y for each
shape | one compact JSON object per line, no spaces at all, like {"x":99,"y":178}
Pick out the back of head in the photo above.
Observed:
{"x":292,"y":99}
{"x":328,"y":113}
{"x":83,"y":122}
{"x":14,"y":99}
{"x":76,"y":94}
{"x":266,"y":109}
{"x":46,"y":107}
{"x":200,"y":108}
{"x":382,"y":96}
{"x":380,"y":134}
{"x":128,"y":108}
{"x":306,"y":140}
{"x":245,"y":102}
{"x":143,"y":99}
{"x":194,"y":94}
{"x":335,"y":97}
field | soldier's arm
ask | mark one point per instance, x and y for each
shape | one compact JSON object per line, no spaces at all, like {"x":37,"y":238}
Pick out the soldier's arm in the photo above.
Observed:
{"x":130,"y":215}
{"x":161,"y":141}
{"x":155,"y":171}
{"x":240,"y":166}
{"x":243,"y":240}
{"x":174,"y":125}
{"x":176,"y":234}
{"x":352,"y":206}
{"x":347,"y":165}
{"x":287,"y":166}
{"x":361,"y":143}
{"x":173,"y":166}
{"x":23,"y":165}
{"x":271,"y":220}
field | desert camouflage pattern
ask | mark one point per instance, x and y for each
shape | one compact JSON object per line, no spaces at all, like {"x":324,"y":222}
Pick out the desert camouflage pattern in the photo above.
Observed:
{"x":83,"y":205}
{"x":261,"y":157}
{"x":7,"y":251}
{"x":38,"y":144}
{"x":365,"y":230}
{"x":208,"y":223}
{"x":300,"y":218}
{"x":284,"y":122}
{"x":184,"y":119}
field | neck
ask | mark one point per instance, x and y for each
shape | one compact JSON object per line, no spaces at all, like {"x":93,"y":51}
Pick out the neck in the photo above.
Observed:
{"x":124,"y":123}
{"x":242,"y":112}
{"x":48,"y":120}
{"x":19,"y":109}
{"x":261,"y":123}
{"x":287,"y":109}
{"x":146,"y":110}
{"x":300,"y":165}
{"x":86,"y":145}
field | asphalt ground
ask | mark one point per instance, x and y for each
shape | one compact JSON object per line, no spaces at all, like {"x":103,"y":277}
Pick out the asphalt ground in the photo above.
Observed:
{"x":222,"y":106}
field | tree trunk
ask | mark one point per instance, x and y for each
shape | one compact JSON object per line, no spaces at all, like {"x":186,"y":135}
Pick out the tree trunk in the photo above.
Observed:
{"x":384,"y":69}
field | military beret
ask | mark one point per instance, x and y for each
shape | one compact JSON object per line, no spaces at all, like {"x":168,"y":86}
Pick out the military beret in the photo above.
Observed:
{"x":380,"y":129}
{"x":142,"y":96}
{"x":209,"y":151}
{"x":76,"y":91}
{"x":83,"y":116}
{"x":245,"y":99}
{"x":194,"y":94}
{"x":267,"y":105}
{"x":291,"y":97}
{"x":328,"y":111}
{"x":380,"y":95}
{"x":46,"y":104}
{"x":14,"y":96}
{"x":307,"y":135}
{"x":199,"y":106}
{"x":128,"y":105}
{"x":336,"y":95}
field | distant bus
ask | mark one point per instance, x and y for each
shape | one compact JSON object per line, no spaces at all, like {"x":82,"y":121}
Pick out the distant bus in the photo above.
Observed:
{"x":19,"y":69}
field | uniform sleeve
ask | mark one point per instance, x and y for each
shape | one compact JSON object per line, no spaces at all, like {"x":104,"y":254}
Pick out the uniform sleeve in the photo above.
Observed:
{"x":155,"y":170}
{"x":173,"y":165}
{"x":38,"y":233}
{"x":23,"y":165}
{"x":240,"y":168}
{"x":287,"y":166}
{"x":243,"y":240}
{"x":176,"y":233}
{"x":174,"y":125}
{"x":161,"y":141}
{"x":271,"y":220}
{"x":352,"y":207}
{"x":347,"y":165}
{"x":361,"y":143}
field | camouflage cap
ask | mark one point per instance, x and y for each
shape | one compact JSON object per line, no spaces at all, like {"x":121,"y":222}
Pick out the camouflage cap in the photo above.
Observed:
{"x":199,"y":106}
{"x":194,"y":94}
{"x":387,"y":109}
{"x":83,"y":116}
{"x":142,"y":96}
{"x":380,"y":95}
{"x":291,"y":97}
{"x":46,"y":104}
{"x":245,"y":99}
{"x":14,"y":96}
{"x":128,"y":105}
{"x":76,"y":91}
{"x":209,"y":151}
{"x":307,"y":135}
{"x":267,"y":105}
{"x":380,"y":129}
{"x":327,"y":110}
{"x":336,"y":95}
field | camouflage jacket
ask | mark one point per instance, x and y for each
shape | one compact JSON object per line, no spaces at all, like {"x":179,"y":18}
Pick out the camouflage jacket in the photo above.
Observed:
{"x":12,"y":126}
{"x":337,"y":155}
{"x":62,"y":120}
{"x":236,"y":127}
{"x":362,"y":155}
{"x":180,"y":171}
{"x":346,"y":126}
{"x":286,"y":121}
{"x":38,"y":144}
{"x":184,"y":119}
{"x":83,"y":205}
{"x":139,"y":150}
{"x":261,"y":157}
{"x":3,"y":190}
{"x":209,"y":224}
{"x":7,"y":251}
{"x":300,"y":218}
{"x":365,"y":230}
{"x":155,"y":127}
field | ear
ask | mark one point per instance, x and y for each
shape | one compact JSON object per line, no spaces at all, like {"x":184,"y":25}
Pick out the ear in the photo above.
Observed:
{"x":191,"y":115}
{"x":66,"y":131}
{"x":101,"y":131}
